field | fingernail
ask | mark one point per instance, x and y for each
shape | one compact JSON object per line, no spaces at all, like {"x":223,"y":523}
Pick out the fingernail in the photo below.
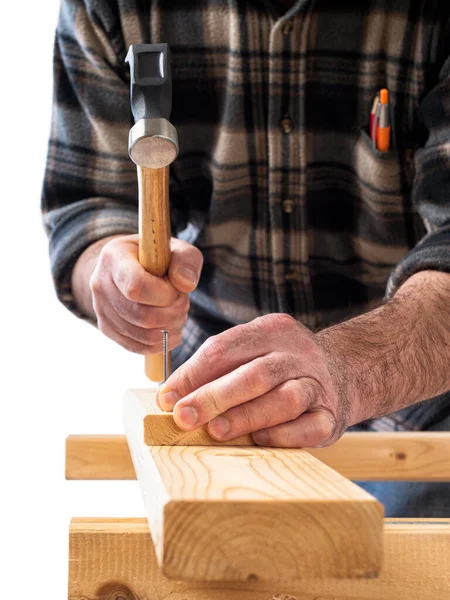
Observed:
{"x":261,"y":437}
{"x":219,"y":427}
{"x":188,"y":274}
{"x":168,"y":400}
{"x":187,"y":416}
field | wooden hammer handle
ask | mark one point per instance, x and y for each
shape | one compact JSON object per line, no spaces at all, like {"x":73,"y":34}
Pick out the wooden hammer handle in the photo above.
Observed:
{"x":154,"y":239}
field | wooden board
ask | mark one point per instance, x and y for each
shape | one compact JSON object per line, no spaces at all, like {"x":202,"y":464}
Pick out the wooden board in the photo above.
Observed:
{"x":161,"y":430}
{"x":98,"y":457}
{"x":398,"y":456}
{"x":233,"y":514}
{"x":112,"y":559}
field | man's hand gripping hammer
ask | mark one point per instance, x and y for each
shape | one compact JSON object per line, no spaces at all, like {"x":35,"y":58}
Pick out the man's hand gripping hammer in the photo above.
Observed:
{"x":153,"y":146}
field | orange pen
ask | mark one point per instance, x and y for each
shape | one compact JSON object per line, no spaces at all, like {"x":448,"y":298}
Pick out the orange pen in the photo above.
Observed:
{"x":384,"y":123}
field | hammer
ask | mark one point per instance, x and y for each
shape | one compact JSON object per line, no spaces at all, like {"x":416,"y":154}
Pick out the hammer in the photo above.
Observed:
{"x":153,"y":146}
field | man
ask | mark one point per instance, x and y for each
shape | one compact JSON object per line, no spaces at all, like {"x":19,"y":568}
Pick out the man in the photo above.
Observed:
{"x":299,"y":222}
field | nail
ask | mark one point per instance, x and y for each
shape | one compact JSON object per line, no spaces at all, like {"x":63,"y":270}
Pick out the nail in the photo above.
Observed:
{"x":219,"y":427}
{"x":261,"y":437}
{"x":168,"y":400}
{"x":188,"y":274}
{"x":187,"y":416}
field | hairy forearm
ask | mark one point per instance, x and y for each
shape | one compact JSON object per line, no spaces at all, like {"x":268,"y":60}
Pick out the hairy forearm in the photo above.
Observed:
{"x":396,"y":355}
{"x":81,"y":276}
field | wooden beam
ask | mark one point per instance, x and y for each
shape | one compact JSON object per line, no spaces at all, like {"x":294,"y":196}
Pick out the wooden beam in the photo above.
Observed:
{"x":233,"y":514}
{"x":398,"y":456}
{"x":161,"y":430}
{"x":99,"y":457}
{"x":111,"y":559}
{"x":393,"y":456}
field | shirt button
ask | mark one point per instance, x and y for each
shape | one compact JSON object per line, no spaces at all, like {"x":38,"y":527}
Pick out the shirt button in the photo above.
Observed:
{"x":287,"y":126}
{"x":292,"y":276}
{"x":287,"y":28}
{"x":288,"y":206}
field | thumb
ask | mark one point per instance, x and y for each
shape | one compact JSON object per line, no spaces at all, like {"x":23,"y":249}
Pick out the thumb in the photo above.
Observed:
{"x":185,"y":265}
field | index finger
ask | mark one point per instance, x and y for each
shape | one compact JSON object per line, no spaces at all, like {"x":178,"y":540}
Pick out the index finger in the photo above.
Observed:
{"x":246,"y":383}
{"x":137,"y":285}
{"x":219,"y":355}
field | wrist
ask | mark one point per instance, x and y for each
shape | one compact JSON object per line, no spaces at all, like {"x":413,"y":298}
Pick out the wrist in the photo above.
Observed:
{"x":362,"y":354}
{"x":346,"y":370}
{"x":397,"y":354}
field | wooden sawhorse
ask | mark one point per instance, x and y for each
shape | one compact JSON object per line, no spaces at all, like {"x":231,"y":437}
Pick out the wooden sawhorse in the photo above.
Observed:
{"x":248,"y":523}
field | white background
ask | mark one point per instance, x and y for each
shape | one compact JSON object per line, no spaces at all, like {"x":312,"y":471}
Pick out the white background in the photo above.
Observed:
{"x":58,"y":375}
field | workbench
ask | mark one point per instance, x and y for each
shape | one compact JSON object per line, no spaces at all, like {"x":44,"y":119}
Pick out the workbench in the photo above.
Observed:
{"x":248,"y":523}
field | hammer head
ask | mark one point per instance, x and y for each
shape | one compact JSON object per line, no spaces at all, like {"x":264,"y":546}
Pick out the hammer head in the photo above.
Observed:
{"x":153,"y":141}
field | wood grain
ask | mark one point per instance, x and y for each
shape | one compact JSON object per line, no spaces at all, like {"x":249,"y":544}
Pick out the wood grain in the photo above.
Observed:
{"x":98,"y":457}
{"x":111,"y":559}
{"x":398,"y":456}
{"x":161,"y":430}
{"x":393,"y":456}
{"x":154,"y":238}
{"x":232,"y":514}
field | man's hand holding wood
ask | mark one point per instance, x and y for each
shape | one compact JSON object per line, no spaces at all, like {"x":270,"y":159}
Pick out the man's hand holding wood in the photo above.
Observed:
{"x":293,"y":388}
{"x":269,"y":376}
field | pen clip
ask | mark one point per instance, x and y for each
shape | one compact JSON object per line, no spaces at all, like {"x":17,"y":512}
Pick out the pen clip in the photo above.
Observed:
{"x":376,"y":122}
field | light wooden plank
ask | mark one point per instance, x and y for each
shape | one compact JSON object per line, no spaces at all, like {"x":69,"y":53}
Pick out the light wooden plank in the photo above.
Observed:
{"x":112,"y":559}
{"x":398,"y":456}
{"x":98,"y":457}
{"x":393,"y":456}
{"x":229,"y":514}
{"x":161,"y":430}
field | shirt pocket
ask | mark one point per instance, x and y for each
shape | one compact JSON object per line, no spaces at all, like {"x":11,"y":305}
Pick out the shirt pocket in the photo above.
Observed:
{"x":384,"y":217}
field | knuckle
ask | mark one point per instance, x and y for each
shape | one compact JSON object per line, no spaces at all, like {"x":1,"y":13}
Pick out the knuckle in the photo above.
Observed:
{"x":210,"y":400}
{"x":181,"y":304}
{"x":95,"y":285}
{"x":292,"y":397}
{"x":184,"y":382}
{"x":152,"y":318}
{"x":256,"y":380}
{"x":324,"y":427}
{"x":312,"y":391}
{"x":132,"y":289}
{"x":214,"y":350}
{"x":284,"y":320}
{"x":144,"y":317}
{"x":153,"y":337}
{"x":277,"y":321}
{"x":319,"y":430}
{"x":247,"y":418}
{"x":127,"y":330}
{"x":168,"y":291}
{"x":106,"y":256}
{"x":254,"y":421}
{"x":268,"y":372}
{"x":270,"y":437}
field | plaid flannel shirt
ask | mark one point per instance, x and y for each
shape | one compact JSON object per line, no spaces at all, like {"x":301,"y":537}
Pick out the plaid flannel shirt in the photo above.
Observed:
{"x":277,"y":181}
